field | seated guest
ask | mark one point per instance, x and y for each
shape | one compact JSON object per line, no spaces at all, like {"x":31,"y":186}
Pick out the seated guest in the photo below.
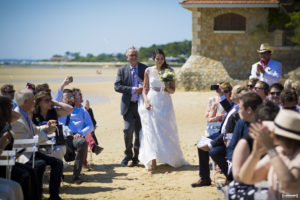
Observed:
{"x":262,"y":89}
{"x":79,"y":125}
{"x":217,"y":113}
{"x":21,"y":173}
{"x":247,"y":106}
{"x":289,"y":100}
{"x":281,"y":165}
{"x":44,"y":111}
{"x":7,"y":90}
{"x":9,"y":189}
{"x":211,"y":102}
{"x":251,"y":83}
{"x":238,"y":190}
{"x":216,"y":149}
{"x":59,"y":94}
{"x":23,"y":128}
{"x":275,"y":91}
{"x":265,"y":112}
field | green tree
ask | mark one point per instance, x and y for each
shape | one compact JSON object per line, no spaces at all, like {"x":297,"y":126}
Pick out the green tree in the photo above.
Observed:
{"x":295,"y":24}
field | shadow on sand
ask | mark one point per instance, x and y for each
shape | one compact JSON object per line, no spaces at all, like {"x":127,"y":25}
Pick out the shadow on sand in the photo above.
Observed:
{"x":87,"y":190}
{"x":96,"y":173}
{"x":160,"y":169}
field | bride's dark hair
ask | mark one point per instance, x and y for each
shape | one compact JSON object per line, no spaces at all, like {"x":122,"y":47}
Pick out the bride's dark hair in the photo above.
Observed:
{"x":159,"y":51}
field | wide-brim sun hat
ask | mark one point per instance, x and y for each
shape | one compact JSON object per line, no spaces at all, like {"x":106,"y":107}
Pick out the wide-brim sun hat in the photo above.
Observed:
{"x":286,"y":124}
{"x":264,"y":47}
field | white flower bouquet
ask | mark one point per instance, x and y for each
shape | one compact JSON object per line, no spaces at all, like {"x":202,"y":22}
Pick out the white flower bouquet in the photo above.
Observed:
{"x":166,"y":75}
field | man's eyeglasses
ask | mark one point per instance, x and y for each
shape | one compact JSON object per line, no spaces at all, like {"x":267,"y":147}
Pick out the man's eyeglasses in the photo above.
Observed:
{"x":132,"y":55}
{"x":250,"y":86}
{"x":226,"y":91}
{"x":10,"y":92}
{"x":275,"y":93}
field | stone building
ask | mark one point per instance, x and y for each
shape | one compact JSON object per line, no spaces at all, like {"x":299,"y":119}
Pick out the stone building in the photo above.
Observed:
{"x":226,"y":35}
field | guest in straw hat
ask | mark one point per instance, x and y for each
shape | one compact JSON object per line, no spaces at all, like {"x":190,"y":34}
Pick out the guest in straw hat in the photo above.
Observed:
{"x":266,"y":69}
{"x":280,"y":140}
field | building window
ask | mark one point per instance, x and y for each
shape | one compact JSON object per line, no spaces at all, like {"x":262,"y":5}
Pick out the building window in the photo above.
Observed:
{"x":230,"y":22}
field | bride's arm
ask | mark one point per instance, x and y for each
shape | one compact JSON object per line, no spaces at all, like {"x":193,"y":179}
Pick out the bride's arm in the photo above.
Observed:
{"x":170,"y":87}
{"x":146,"y":90}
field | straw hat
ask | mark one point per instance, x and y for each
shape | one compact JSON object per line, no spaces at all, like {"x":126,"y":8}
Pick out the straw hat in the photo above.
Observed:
{"x":265,"y":47}
{"x":286,"y":124}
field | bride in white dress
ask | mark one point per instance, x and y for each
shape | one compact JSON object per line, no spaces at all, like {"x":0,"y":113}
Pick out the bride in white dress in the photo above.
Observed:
{"x":158,"y":138}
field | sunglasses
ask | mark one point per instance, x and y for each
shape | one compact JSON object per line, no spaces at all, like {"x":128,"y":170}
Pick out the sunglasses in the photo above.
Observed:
{"x":250,"y":86}
{"x":226,"y":91}
{"x":275,"y":93}
{"x":10,"y":92}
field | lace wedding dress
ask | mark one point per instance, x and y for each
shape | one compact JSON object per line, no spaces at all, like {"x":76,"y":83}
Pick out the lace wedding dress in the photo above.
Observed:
{"x":158,"y":137}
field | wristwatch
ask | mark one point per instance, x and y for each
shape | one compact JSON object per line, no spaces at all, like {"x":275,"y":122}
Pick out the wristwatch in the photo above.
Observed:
{"x":272,"y":152}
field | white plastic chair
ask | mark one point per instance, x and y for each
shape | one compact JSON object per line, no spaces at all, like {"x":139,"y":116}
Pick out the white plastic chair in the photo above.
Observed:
{"x":8,"y":162}
{"x":21,"y":143}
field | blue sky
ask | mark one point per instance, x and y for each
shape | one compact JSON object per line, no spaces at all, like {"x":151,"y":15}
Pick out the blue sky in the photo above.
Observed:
{"x":38,"y":29}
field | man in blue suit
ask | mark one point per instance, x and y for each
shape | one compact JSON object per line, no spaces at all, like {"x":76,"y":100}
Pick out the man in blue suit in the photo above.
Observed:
{"x":130,"y":77}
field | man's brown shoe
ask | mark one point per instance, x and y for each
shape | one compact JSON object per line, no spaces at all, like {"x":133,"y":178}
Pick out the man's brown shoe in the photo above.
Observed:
{"x":202,"y":182}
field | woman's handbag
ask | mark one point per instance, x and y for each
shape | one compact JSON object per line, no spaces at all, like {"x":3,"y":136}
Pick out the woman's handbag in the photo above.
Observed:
{"x":59,"y":135}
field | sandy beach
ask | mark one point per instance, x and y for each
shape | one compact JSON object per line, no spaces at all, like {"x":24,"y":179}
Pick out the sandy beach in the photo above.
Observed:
{"x":107,"y":178}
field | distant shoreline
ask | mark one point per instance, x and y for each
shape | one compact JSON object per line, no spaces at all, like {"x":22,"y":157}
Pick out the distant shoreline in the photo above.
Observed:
{"x":78,"y":64}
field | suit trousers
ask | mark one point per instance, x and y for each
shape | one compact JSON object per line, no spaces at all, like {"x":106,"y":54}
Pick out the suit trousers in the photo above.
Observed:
{"x":218,"y":154}
{"x":55,"y":174}
{"x":80,"y":145}
{"x":132,"y":123}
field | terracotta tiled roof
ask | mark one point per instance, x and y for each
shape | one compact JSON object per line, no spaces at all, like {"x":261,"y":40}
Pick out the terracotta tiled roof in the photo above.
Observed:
{"x":185,"y":2}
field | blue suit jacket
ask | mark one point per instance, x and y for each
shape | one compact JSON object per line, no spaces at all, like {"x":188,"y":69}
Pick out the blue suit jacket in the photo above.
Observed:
{"x":241,"y":130}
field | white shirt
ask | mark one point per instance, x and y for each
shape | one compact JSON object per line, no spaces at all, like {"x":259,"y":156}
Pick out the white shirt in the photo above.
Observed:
{"x":273,"y":72}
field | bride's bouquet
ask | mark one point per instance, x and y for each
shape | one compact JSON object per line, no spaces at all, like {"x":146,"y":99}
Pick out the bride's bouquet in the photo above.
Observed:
{"x":166,"y":75}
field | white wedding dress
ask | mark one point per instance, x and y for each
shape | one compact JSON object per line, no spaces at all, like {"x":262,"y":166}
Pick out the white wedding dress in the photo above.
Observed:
{"x":158,"y":137}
